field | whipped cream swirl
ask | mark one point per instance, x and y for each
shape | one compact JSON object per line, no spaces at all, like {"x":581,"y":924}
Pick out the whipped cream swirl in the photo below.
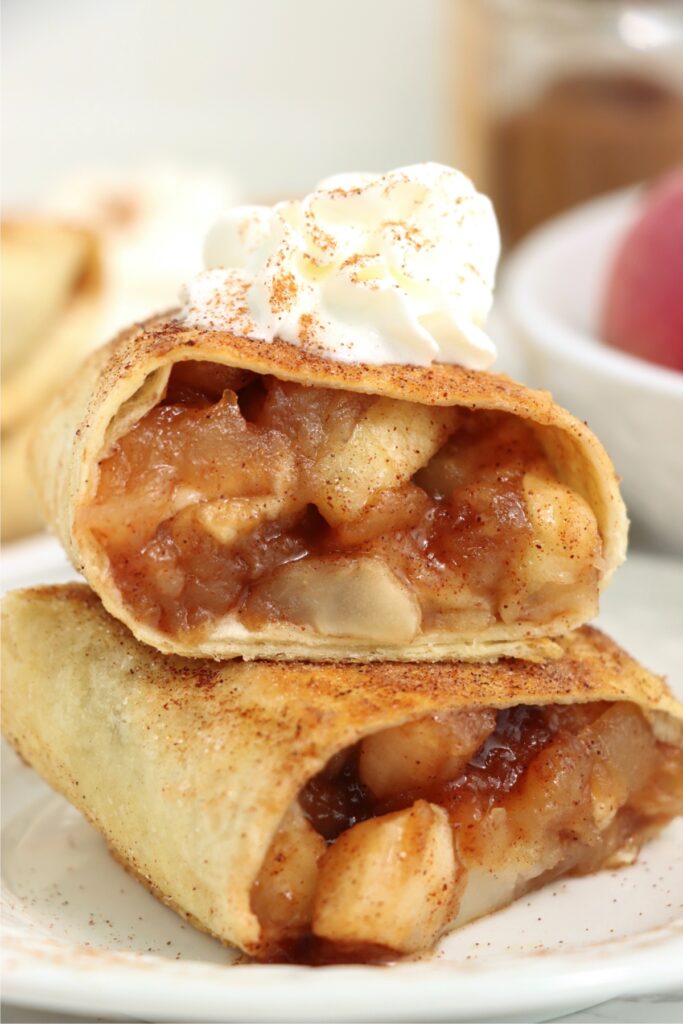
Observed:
{"x":392,"y":268}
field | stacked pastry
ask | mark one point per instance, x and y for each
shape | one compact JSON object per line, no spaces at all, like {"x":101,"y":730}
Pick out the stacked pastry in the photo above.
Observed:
{"x":331,"y":694}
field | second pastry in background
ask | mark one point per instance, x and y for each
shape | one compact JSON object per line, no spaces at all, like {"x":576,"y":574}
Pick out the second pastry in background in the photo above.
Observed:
{"x":107,"y":248}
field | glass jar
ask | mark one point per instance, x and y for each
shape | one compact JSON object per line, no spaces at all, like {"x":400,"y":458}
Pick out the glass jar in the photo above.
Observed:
{"x":560,"y":100}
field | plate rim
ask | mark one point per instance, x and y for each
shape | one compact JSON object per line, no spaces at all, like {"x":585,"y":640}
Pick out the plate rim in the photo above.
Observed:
{"x":129,"y":983}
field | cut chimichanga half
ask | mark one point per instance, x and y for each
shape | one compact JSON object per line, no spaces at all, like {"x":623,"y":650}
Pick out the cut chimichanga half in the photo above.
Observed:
{"x":226,"y":497}
{"x":339,"y":811}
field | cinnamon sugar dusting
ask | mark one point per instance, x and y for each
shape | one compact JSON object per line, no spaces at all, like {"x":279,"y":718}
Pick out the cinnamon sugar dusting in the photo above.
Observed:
{"x":308,"y":327}
{"x":284,"y":292}
{"x":219,"y":298}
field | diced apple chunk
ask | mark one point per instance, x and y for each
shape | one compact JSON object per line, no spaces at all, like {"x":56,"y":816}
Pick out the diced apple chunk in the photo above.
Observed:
{"x":390,"y":881}
{"x":282,"y":895}
{"x":359,"y":598}
{"x":561,"y":556}
{"x":486,"y":891}
{"x":623,"y":748}
{"x":231,"y":519}
{"x":389,"y":443}
{"x":389,"y":512}
{"x":564,"y":529}
{"x":500,"y":447}
{"x":432,"y":749}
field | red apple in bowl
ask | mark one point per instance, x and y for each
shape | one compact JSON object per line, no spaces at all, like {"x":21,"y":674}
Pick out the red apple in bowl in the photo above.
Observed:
{"x":643,"y":308}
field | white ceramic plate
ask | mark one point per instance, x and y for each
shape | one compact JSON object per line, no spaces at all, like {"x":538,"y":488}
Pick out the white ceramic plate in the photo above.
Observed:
{"x":81,"y":936}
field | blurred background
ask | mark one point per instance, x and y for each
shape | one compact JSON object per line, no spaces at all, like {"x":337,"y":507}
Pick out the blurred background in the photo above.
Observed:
{"x":129,"y":125}
{"x":277,"y":95}
{"x":544,"y":102}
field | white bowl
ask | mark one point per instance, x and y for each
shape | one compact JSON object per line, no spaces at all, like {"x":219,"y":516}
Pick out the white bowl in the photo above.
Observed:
{"x":551,"y":293}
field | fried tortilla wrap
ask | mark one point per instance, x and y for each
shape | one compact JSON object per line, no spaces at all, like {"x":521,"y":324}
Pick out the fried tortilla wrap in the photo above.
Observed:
{"x":51,"y":294}
{"x":339,"y":811}
{"x":226,"y":497}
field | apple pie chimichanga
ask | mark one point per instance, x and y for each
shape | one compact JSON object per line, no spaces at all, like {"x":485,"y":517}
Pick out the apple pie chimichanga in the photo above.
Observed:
{"x":339,"y":811}
{"x":228,"y":497}
{"x":309,"y":460}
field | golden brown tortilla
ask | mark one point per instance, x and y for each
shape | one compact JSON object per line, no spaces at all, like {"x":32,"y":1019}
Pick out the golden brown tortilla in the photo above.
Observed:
{"x":122,"y":382}
{"x":187,"y":767}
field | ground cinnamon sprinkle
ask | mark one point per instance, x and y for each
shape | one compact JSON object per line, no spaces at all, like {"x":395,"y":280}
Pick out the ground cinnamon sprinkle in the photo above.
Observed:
{"x":321,"y":239}
{"x":307,"y":326}
{"x":284,"y":292}
{"x":309,"y":331}
{"x":354,"y":261}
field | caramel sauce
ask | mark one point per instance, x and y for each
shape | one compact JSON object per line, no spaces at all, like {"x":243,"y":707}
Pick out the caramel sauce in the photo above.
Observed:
{"x":503,"y":757}
{"x":336,"y":799}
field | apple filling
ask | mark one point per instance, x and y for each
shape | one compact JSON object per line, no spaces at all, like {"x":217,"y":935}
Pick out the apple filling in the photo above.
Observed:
{"x":421,"y":828}
{"x":351,"y":515}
